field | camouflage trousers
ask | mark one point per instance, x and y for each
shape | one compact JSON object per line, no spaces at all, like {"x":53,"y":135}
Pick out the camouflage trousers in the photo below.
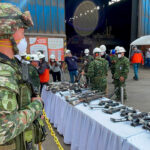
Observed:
{"x":100,"y":84}
{"x":112,"y":71}
{"x":118,"y":85}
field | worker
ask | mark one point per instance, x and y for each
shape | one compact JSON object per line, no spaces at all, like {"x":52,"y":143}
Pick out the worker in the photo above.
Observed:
{"x":72,"y":65}
{"x":136,"y":60}
{"x":55,"y":68}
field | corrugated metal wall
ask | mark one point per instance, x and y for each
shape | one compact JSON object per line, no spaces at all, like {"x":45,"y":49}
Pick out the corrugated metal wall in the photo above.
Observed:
{"x":144,"y":18}
{"x":48,"y":15}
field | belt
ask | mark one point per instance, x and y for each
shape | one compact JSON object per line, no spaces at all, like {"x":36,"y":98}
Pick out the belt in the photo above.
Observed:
{"x":8,"y":147}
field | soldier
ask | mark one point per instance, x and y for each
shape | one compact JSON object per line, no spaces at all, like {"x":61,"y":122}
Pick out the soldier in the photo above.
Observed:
{"x":87,"y":59}
{"x":97,"y":71}
{"x":113,"y":59}
{"x":18,"y":109}
{"x":121,"y":73}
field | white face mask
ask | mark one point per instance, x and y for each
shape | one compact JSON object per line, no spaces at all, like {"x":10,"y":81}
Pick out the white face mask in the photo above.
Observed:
{"x":103,"y":53}
{"x":22,"y":46}
{"x":52,"y":60}
{"x":86,"y":54}
{"x":119,"y":55}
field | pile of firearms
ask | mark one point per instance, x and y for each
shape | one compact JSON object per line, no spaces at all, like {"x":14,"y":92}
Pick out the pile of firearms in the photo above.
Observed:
{"x":63,"y":86}
{"x":135,"y":117}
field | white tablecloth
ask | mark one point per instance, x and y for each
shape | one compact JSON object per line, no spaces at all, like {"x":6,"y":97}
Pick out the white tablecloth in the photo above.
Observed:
{"x":87,"y":129}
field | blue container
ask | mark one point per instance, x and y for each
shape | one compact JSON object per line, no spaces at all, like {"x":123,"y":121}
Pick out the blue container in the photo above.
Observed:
{"x":48,"y":15}
{"x":144,"y":18}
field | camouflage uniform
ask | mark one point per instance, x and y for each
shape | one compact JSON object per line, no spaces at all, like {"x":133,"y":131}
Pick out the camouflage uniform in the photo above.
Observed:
{"x":121,"y":70}
{"x":17,"y":112}
{"x":87,"y":59}
{"x":97,"y":71}
{"x":113,"y":60}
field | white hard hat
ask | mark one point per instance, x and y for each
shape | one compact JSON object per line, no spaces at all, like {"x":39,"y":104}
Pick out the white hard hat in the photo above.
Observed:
{"x":97,"y":50}
{"x":41,"y":56}
{"x":34,"y":57}
{"x":117,"y":48}
{"x":68,"y":51}
{"x":52,"y":56}
{"x":22,"y":54}
{"x":86,"y":51}
{"x":121,"y":50}
{"x":103,"y":48}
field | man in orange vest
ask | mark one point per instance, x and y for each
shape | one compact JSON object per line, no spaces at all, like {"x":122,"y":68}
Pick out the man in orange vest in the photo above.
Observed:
{"x":136,"y":60}
{"x":43,"y":71}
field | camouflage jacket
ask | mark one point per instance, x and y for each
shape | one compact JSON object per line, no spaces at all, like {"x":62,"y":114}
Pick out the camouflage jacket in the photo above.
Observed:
{"x":88,"y":59}
{"x":113,"y":60}
{"x":14,"y":118}
{"x":122,"y":68}
{"x":98,"y":67}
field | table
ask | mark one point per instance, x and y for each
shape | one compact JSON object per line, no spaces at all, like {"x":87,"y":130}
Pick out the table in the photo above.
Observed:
{"x":87,"y":129}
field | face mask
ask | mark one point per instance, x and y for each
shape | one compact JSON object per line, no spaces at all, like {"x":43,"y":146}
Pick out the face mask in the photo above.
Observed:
{"x":86,"y":54}
{"x":22,"y":46}
{"x":52,"y":60}
{"x":103,"y":53}
{"x":119,"y":55}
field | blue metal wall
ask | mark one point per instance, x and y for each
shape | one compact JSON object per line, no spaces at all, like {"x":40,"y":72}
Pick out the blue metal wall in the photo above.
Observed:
{"x":48,"y":15}
{"x":144,"y":18}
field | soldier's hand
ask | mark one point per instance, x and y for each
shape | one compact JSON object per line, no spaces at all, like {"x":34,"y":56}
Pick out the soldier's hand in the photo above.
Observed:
{"x":122,"y":79}
{"x":36,"y":98}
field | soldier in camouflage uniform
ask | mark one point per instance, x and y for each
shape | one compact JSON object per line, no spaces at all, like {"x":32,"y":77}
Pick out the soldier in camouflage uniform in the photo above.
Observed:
{"x":121,"y":73}
{"x":97,"y":71}
{"x":87,"y":59}
{"x":18,"y":109}
{"x":113,"y":59}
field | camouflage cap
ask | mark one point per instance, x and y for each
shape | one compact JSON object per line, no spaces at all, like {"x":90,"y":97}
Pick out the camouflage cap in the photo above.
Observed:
{"x":11,"y":19}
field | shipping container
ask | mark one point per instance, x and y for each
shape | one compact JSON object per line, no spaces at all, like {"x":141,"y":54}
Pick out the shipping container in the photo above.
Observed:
{"x":144,"y":18}
{"x":48,"y":16}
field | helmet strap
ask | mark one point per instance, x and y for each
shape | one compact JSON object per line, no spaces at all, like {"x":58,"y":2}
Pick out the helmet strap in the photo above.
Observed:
{"x":14,"y":44}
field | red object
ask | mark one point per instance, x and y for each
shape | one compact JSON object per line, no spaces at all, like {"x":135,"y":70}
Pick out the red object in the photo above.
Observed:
{"x":44,"y":78}
{"x":137,"y":58}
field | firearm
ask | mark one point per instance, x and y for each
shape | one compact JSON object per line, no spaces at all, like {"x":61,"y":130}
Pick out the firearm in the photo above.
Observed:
{"x":136,"y":120}
{"x":86,"y":99}
{"x":107,"y":105}
{"x":146,"y":125}
{"x":130,"y":117}
{"x":127,"y":111}
{"x":114,"y":110}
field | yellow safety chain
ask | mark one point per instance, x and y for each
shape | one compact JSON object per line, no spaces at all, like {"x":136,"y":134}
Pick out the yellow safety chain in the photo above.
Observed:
{"x":52,"y":131}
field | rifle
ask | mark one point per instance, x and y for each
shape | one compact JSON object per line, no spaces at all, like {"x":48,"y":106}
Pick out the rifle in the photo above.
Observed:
{"x":146,"y":125}
{"x":126,"y":111}
{"x":107,"y":105}
{"x":130,"y":117}
{"x":86,"y":99}
{"x":114,"y":110}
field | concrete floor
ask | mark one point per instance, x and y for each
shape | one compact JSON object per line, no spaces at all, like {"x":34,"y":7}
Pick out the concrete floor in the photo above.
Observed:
{"x":138,"y":97}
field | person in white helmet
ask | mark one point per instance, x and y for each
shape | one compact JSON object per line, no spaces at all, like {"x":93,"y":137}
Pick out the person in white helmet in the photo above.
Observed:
{"x":43,"y":71}
{"x":55,"y":68}
{"x":104,"y":54}
{"x":97,"y":71}
{"x":87,"y":59}
{"x":121,"y":73}
{"x":72,"y":65}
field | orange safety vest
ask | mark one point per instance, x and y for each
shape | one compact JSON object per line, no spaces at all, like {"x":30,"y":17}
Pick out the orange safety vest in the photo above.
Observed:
{"x":137,"y":58}
{"x":44,"y":78}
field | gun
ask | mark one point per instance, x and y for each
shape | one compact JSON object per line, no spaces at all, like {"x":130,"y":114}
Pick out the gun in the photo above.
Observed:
{"x":146,"y":125}
{"x":135,"y":119}
{"x":114,"y":110}
{"x":130,"y":117}
{"x":107,"y":105}
{"x":126,"y":111}
{"x":86,"y":99}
